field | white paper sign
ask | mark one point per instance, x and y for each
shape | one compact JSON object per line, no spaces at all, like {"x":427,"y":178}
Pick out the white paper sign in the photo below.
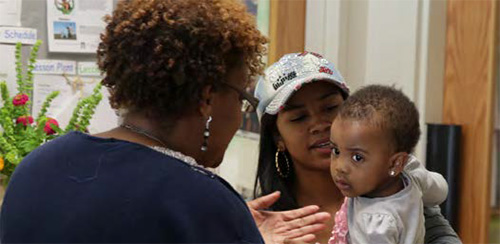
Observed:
{"x":48,"y":66}
{"x":74,"y":26}
{"x":44,"y":85}
{"x":88,"y":69}
{"x":10,"y":12}
{"x":17,"y":34}
{"x":8,"y":67}
{"x":62,"y":107}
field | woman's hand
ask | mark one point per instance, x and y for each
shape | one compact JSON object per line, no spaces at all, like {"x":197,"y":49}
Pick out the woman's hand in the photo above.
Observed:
{"x":293,"y":226}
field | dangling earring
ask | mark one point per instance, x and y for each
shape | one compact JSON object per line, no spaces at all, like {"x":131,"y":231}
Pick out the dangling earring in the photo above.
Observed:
{"x":278,"y":166}
{"x":206,"y":134}
{"x":392,"y":173}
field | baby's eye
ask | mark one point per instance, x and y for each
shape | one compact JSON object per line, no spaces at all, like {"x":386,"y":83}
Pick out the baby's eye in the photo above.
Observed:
{"x":357,"y":158}
{"x":335,"y":151}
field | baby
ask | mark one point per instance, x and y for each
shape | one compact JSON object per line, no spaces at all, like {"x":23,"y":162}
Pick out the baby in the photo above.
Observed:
{"x":385,"y":186}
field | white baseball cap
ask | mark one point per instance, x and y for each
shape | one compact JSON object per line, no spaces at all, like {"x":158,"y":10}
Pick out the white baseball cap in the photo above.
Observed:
{"x":286,"y":76}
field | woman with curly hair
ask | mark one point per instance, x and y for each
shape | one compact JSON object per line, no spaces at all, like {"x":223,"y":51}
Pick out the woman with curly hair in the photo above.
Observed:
{"x":179,"y":69}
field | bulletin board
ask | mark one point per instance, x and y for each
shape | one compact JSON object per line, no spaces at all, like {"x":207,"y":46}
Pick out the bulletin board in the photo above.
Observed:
{"x":33,"y":18}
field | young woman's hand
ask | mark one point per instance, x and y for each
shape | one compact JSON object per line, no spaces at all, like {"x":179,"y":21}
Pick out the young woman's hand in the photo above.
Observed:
{"x":293,"y":226}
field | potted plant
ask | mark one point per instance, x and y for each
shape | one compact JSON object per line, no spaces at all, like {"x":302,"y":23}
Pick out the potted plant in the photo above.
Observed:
{"x":20,"y":133}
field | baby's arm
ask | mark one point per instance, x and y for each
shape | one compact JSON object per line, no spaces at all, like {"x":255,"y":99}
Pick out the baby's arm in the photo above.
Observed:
{"x":433,"y":185}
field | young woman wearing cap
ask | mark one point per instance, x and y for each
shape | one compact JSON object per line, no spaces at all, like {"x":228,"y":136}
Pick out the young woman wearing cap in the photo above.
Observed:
{"x":179,"y":68}
{"x":299,"y":98}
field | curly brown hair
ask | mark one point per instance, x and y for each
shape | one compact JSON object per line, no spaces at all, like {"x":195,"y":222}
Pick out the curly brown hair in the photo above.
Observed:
{"x":158,"y":55}
{"x":388,"y":108}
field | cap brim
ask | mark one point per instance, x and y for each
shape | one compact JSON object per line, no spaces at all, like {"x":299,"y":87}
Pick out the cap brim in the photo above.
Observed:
{"x":284,"y":93}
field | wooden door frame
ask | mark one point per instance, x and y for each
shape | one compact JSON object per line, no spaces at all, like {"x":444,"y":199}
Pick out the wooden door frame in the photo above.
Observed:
{"x":287,"y":28}
{"x":469,"y":85}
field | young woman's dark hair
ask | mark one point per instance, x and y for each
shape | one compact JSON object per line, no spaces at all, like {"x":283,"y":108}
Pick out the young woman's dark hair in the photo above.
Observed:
{"x":268,"y":179}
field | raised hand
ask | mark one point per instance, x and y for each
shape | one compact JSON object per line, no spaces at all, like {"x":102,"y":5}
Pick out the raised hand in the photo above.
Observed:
{"x":293,"y":226}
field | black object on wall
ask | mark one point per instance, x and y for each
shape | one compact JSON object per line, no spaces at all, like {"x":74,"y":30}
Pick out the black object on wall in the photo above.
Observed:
{"x":443,"y":156}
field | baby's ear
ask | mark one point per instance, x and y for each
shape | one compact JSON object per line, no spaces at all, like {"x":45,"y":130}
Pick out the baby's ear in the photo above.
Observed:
{"x":397,"y":163}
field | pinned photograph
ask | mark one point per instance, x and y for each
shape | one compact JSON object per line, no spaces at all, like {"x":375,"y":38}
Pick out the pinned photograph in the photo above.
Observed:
{"x":64,"y":30}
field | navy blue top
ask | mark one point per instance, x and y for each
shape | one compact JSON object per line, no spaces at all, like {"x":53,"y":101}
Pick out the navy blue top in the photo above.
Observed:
{"x":80,"y":188}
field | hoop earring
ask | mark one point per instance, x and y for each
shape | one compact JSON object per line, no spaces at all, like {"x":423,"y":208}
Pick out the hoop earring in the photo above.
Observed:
{"x":276,"y":160}
{"x":206,"y":134}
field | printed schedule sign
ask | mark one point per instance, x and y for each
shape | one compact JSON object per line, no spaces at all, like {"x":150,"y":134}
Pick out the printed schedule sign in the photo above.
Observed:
{"x":17,"y":34}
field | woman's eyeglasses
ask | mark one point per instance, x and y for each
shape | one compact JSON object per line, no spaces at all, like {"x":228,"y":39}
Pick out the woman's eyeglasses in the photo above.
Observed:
{"x":249,"y":102}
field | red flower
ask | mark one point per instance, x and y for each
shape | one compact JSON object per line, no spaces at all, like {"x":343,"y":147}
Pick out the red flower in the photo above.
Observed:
{"x":20,"y":99}
{"x":48,"y":130}
{"x":25,"y":120}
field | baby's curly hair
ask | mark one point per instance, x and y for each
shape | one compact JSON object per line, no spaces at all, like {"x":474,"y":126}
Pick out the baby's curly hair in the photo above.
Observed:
{"x":388,"y":108}
{"x":158,"y":55}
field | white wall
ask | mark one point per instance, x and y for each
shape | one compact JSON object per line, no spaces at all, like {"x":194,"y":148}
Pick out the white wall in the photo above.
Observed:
{"x":392,"y":42}
{"x":239,"y":166}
